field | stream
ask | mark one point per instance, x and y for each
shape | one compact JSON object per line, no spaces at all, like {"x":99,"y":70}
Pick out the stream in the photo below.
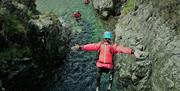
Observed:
{"x":79,"y":70}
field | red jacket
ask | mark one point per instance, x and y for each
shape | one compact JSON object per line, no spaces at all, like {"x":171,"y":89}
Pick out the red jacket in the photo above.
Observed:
{"x":106,"y":52}
{"x":86,"y":1}
{"x":77,"y":15}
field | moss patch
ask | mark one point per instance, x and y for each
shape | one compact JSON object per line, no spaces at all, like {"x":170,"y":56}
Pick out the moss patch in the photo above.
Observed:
{"x":129,"y":6}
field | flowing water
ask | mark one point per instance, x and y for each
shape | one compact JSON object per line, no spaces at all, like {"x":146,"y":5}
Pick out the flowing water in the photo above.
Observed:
{"x":79,"y":71}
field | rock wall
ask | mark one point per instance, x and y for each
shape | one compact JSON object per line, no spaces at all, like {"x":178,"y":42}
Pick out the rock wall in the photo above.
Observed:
{"x":32,"y":45}
{"x":48,"y":41}
{"x":108,"y":7}
{"x":152,"y":26}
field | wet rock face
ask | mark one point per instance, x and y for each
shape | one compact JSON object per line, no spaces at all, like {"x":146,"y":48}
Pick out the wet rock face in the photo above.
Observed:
{"x":48,"y":40}
{"x":30,"y":4}
{"x":23,"y":9}
{"x":108,"y":7}
{"x":157,"y":34}
{"x":103,"y":6}
{"x":134,"y":76}
{"x":15,"y":55}
{"x":32,"y":48}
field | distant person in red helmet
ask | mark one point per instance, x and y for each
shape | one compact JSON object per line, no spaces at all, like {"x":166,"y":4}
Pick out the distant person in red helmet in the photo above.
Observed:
{"x":86,"y":2}
{"x":106,"y":49}
{"x":77,"y":15}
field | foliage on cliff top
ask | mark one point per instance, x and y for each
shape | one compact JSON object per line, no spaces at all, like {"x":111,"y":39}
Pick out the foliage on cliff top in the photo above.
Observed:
{"x":10,"y":21}
{"x":129,"y":6}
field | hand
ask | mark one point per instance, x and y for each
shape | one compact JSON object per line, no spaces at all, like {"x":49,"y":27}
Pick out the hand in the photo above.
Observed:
{"x":75,"y":48}
{"x":138,"y":53}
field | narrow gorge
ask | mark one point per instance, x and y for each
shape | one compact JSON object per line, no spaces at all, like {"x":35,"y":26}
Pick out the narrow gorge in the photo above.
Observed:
{"x":36,"y":37}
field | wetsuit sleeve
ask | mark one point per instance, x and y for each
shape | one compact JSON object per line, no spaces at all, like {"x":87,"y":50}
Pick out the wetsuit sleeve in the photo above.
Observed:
{"x":90,"y":47}
{"x":121,"y":49}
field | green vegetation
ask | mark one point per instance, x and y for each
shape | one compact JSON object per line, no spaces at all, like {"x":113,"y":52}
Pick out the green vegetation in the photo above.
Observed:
{"x":2,"y":10}
{"x":10,"y":21}
{"x":11,"y":25}
{"x":129,"y":6}
{"x":29,"y":13}
{"x":14,"y":52}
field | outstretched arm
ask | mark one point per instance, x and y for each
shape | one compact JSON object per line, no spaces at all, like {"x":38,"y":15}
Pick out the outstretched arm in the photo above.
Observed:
{"x":87,"y":47}
{"x":90,"y":47}
{"x":121,"y":49}
{"x":126,"y":50}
